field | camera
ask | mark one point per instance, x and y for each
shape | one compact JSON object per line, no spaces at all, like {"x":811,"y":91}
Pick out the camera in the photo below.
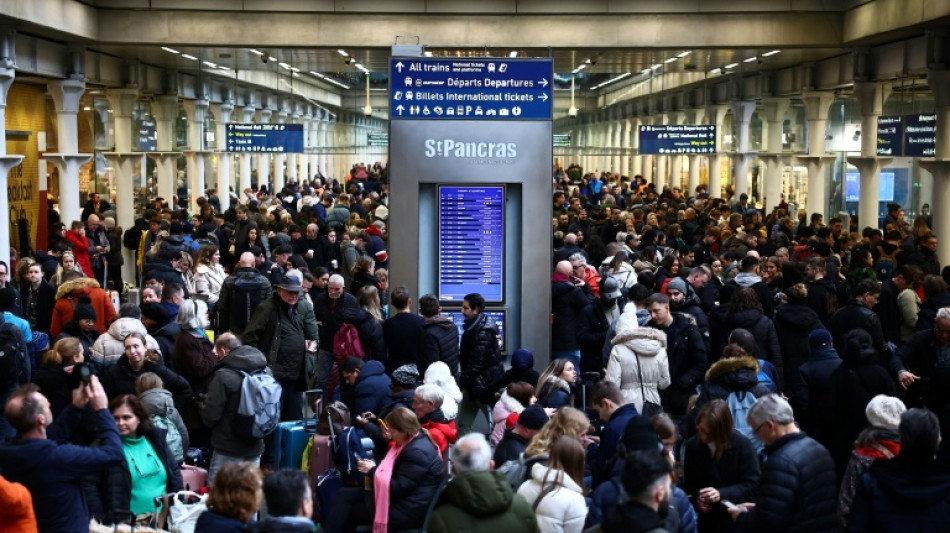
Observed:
{"x":80,"y":375}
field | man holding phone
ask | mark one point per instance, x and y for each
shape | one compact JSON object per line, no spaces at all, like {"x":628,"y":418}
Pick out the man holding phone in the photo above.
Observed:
{"x":50,"y":467}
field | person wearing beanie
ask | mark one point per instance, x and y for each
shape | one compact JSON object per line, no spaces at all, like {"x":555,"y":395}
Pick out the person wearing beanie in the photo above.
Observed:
{"x":162,"y":328}
{"x":67,"y":297}
{"x":403,"y":383}
{"x":516,"y":439}
{"x":522,"y":369}
{"x":813,"y":414}
{"x":82,"y":326}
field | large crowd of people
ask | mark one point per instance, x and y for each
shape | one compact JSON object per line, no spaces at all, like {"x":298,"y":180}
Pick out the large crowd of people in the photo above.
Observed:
{"x":713,"y":368}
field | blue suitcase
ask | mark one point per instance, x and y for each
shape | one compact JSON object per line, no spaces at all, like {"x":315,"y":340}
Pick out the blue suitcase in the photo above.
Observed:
{"x":290,"y":440}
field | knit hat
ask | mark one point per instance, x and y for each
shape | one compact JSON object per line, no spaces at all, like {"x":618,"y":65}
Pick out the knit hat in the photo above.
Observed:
{"x":819,"y":338}
{"x":676,"y":284}
{"x":885,"y":412}
{"x":533,"y":417}
{"x":154,"y":311}
{"x":640,"y":435}
{"x":406,"y":376}
{"x":84,"y":309}
{"x":40,"y":342}
{"x":522,"y":359}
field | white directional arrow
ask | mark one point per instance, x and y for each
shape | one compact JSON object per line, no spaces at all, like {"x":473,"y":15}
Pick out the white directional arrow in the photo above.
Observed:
{"x":400,"y":109}
{"x":399,"y":67}
{"x":544,"y":82}
{"x":544,"y":97}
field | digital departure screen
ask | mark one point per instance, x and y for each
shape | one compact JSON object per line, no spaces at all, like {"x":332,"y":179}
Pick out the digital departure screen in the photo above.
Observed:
{"x":279,"y":138}
{"x":678,"y":139}
{"x":471,"y":242}
{"x":499,"y":317}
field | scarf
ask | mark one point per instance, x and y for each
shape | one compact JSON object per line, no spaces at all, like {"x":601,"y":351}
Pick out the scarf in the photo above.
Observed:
{"x":381,"y":479}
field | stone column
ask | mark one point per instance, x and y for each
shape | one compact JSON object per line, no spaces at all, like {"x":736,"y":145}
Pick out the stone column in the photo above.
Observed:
{"x":308,"y":161}
{"x":773,"y":112}
{"x":939,"y":81}
{"x":66,"y":95}
{"x":225,"y":163}
{"x":742,"y":113}
{"x":625,"y":147}
{"x":637,"y":162}
{"x":676,"y":160}
{"x":331,"y":145}
{"x":694,"y":116}
{"x":165,"y":110}
{"x":9,"y":162}
{"x":196,"y":111}
{"x":816,"y":108}
{"x":292,"y":158}
{"x":123,"y":102}
{"x":871,"y":96}
{"x":247,"y":117}
{"x":280,"y":159}
{"x":716,"y":114}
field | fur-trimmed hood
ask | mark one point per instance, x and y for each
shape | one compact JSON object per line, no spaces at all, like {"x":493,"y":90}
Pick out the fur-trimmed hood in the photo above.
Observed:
{"x":731,"y":365}
{"x":76,"y":285}
{"x":646,"y":342}
{"x":511,"y":404}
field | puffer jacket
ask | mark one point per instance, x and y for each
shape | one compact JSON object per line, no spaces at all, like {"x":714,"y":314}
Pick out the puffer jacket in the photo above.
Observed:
{"x":442,"y":342}
{"x":793,"y":324}
{"x":221,"y":403}
{"x":208,"y":282}
{"x":370,"y":331}
{"x":479,"y":355}
{"x":902,"y":495}
{"x":109,"y":347}
{"x":442,"y":430}
{"x":371,"y":392}
{"x":160,"y":402}
{"x":482,"y":502}
{"x":67,"y":296}
{"x":797,"y":490}
{"x":505,"y":406}
{"x":555,"y":393}
{"x":417,"y":473}
{"x":563,"y":510}
{"x":761,"y":328}
{"x":725,"y":376}
{"x":567,"y":303}
{"x":438,"y":373}
{"x":638,"y":351}
{"x":686,"y":351}
{"x":279,"y":336}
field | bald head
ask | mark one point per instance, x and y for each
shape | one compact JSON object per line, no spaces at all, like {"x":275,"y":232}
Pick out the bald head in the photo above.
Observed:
{"x":564,"y":267}
{"x":247,"y":260}
{"x":570,"y":238}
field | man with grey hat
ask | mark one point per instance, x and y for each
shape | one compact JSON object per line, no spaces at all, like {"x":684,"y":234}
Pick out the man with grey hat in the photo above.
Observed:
{"x":276,"y":330}
{"x":594,"y":321}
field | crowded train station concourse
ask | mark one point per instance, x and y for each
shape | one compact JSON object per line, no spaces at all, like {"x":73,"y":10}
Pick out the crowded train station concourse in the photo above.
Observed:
{"x":511,"y":265}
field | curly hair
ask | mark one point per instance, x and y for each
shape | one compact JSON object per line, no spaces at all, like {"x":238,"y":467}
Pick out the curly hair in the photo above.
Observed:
{"x":236,"y":491}
{"x":567,"y":421}
{"x":745,"y":298}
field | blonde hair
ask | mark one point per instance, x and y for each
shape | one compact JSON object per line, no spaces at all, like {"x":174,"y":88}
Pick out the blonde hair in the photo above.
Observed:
{"x":566,"y":422}
{"x":64,"y":350}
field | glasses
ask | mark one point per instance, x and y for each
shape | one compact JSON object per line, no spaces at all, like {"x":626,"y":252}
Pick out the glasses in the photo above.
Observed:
{"x":762,"y":425}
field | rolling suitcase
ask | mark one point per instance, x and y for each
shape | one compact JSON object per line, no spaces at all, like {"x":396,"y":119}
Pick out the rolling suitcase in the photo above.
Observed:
{"x":193,"y":478}
{"x":290,"y":440}
{"x":321,"y":456}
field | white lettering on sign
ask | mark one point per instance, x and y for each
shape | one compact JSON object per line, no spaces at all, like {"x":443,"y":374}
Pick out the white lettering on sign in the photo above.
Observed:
{"x":463,"y":149}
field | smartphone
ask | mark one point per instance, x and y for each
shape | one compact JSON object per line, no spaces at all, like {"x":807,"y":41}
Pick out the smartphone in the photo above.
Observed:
{"x":729,"y":505}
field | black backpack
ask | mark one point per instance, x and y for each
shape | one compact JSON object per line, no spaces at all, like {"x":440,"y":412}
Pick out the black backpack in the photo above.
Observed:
{"x":14,"y":356}
{"x":246,"y":296}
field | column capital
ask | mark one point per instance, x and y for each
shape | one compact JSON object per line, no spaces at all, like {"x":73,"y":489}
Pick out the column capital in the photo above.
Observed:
{"x":871,"y":95}
{"x":7,"y":75}
{"x":773,"y":109}
{"x":224,"y":111}
{"x":247,"y":114}
{"x":122,"y":101}
{"x":281,"y":116}
{"x":716,"y":113}
{"x":742,"y":110}
{"x":939,"y":82}
{"x":265,"y":115}
{"x":817,"y":104}
{"x":166,"y":108}
{"x":66,"y":94}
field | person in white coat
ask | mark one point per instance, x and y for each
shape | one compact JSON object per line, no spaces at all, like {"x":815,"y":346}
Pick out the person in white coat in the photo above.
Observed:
{"x":109,"y":347}
{"x":438,"y":373}
{"x":638,"y":362}
{"x":555,"y":491}
{"x":209,"y":274}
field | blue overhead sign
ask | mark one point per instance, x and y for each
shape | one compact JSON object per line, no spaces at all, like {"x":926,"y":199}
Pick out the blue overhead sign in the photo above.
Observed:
{"x":286,"y":138}
{"x":674,"y":139}
{"x":471,"y":89}
{"x":148,"y":137}
{"x":890,"y":132}
{"x":920,"y":135}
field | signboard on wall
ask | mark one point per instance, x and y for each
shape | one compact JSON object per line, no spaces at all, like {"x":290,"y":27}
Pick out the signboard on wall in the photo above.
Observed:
{"x":471,"y":242}
{"x":678,"y":139}
{"x":563,"y":140}
{"x":890,"y":133}
{"x":920,"y":135}
{"x":279,"y":138}
{"x":148,"y":137}
{"x":885,"y":186}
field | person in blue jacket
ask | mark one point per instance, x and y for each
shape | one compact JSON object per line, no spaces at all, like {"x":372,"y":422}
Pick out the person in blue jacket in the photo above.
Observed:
{"x":46,"y":464}
{"x":366,"y":385}
{"x":607,"y":400}
{"x":556,"y":384}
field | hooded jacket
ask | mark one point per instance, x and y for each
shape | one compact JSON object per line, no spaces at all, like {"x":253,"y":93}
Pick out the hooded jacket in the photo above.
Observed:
{"x":279,"y":335}
{"x":818,"y":393}
{"x":370,"y":331}
{"x":555,"y":393}
{"x":109,"y":347}
{"x":442,"y":342}
{"x":902,"y":495}
{"x":793,"y":324}
{"x":67,"y":296}
{"x":227,"y":322}
{"x":160,"y":402}
{"x":479,"y":355}
{"x":686,"y":352}
{"x":567,"y":302}
{"x":505,"y":406}
{"x":371,"y":392}
{"x":441,"y":429}
{"x":762,"y":329}
{"x":638,"y":352}
{"x":440,"y":375}
{"x":166,"y":335}
{"x":221,"y":403}
{"x":481,"y":502}
{"x":562,"y":510}
{"x":725,"y":376}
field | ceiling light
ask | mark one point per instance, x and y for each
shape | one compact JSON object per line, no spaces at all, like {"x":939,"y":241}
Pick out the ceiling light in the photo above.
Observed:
{"x":427,"y":53}
{"x":295,"y":69}
{"x":732,"y":65}
{"x":656,"y":66}
{"x":191,"y":57}
{"x":683,"y":54}
{"x":513,"y":53}
{"x":272,"y":58}
{"x":343,"y":53}
{"x":772,"y":53}
{"x":170,"y":50}
{"x":284,"y":65}
{"x":716,"y":71}
{"x":612,"y":80}
{"x":210,"y":64}
{"x":317,"y":74}
{"x":670,"y":60}
{"x":751,"y":59}
{"x":253,"y":51}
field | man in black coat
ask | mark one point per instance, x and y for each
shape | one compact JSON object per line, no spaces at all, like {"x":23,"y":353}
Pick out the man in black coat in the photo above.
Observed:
{"x":330,"y":308}
{"x":569,"y":295}
{"x":516,"y":439}
{"x":922,"y":355}
{"x":441,"y":341}
{"x":798,"y":490}
{"x":480,"y":358}
{"x":794,"y":321}
{"x":595,"y":320}
{"x":405,"y":338}
{"x":685,"y":349}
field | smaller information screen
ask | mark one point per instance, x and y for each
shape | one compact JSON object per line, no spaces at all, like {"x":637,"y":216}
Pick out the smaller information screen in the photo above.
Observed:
{"x":471,"y":242}
{"x":890,"y":132}
{"x":498,"y":317}
{"x":920,"y":135}
{"x":673,"y":139}
{"x":148,"y":138}
{"x":286,"y":138}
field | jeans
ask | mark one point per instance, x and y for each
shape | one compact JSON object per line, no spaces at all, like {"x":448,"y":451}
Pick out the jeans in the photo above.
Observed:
{"x":571,"y":355}
{"x":218,"y":460}
{"x":468,"y":412}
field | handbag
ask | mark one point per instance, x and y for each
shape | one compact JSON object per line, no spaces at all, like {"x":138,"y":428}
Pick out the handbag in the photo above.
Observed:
{"x":180,"y":511}
{"x":336,"y":414}
{"x":649,"y":408}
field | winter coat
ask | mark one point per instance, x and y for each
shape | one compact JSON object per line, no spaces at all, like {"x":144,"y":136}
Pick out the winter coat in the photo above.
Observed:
{"x":638,"y":352}
{"x":208,"y":282}
{"x":330,"y":317}
{"x":512,"y":375}
{"x":602,"y":456}
{"x":337,"y":216}
{"x":370,"y":331}
{"x":115,"y":484}
{"x":283,"y":524}
{"x":195,"y":359}
{"x":109,"y":347}
{"x":67,"y":297}
{"x":818,"y":393}
{"x":417,"y":474}
{"x":120,"y":379}
{"x":885,"y":445}
{"x":797,"y":489}
{"x":902,"y":495}
{"x":726,"y":376}
{"x":505,"y":406}
{"x":45,"y":300}
{"x":371,"y":392}
{"x":555,"y":393}
{"x":762,"y":329}
{"x":560,"y":511}
{"x":362,"y":279}
{"x":52,"y":469}
{"x":221,"y":403}
{"x":211,"y":522}
{"x":80,"y":245}
{"x":16,"y":515}
{"x":510,"y":448}
{"x":933,"y":388}
{"x":855,"y":315}
{"x":166,"y":335}
{"x":735,"y":476}
{"x":442,"y":342}
{"x":479,"y":355}
{"x":567,"y":302}
{"x":227,"y":321}
{"x":686,"y":353}
{"x":439,"y":374}
{"x":56,"y":384}
{"x":481,"y":502}
{"x":793,"y":324}
{"x":442,"y":430}
{"x":620,"y":518}
{"x":592,"y":328}
{"x":160,"y":402}
{"x":908,"y":305}
{"x":405,"y":341}
{"x":74,"y":330}
{"x":279,"y":336}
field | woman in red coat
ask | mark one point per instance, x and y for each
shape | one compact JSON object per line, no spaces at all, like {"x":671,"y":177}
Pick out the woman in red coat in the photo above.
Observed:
{"x":76,"y":237}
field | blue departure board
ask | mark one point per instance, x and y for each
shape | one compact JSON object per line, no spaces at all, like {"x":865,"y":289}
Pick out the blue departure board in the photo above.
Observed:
{"x":148,"y":138}
{"x":279,"y":138}
{"x":890,"y":133}
{"x":498,"y":317}
{"x":471,"y":242}
{"x":920,"y":135}
{"x":676,"y":139}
